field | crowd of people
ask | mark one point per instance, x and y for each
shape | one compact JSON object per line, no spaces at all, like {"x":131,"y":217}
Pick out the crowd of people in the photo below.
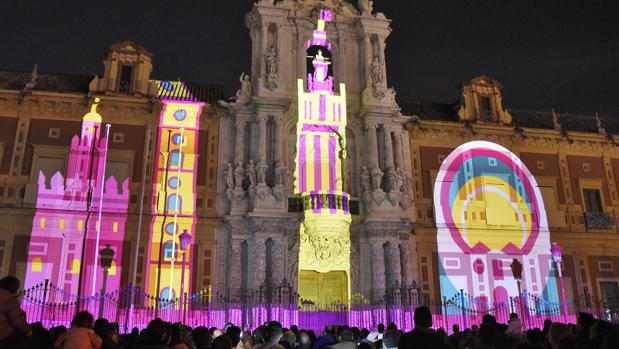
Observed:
{"x":86,"y":333}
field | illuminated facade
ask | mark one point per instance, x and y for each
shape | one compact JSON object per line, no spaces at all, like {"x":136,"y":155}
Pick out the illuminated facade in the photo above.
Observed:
{"x":321,"y":131}
{"x":174,"y":191}
{"x":66,"y":209}
{"x":489,"y":210}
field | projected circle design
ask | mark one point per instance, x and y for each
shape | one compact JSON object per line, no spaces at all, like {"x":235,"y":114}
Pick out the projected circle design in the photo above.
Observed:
{"x":489,"y":210}
{"x":180,"y":115}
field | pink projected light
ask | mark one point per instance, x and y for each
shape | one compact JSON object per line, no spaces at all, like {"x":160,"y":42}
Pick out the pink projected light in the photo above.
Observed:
{"x":489,"y":210}
{"x":60,"y":220}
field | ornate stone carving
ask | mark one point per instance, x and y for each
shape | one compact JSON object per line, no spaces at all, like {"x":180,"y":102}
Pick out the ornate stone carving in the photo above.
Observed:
{"x":229,"y":172}
{"x":272,"y":65}
{"x":365,"y":7}
{"x":244,"y":93}
{"x":261,"y":169}
{"x":365,"y":179}
{"x":251,"y":173}
{"x":258,"y":263}
{"x":280,"y":173}
{"x":392,"y":178}
{"x":239,"y":176}
{"x":400,"y":177}
{"x":377,"y":178}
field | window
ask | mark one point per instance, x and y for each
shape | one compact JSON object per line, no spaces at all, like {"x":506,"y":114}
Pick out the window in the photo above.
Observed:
{"x":167,"y":250}
{"x":118,"y":137}
{"x":609,"y":290}
{"x":124,"y":82}
{"x":486,"y":111}
{"x":54,"y":132}
{"x":593,"y":201}
{"x":176,"y":158}
{"x":174,"y":205}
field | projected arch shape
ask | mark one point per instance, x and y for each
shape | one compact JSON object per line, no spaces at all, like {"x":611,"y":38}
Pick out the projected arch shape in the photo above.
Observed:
{"x":176,"y":158}
{"x":175,"y":203}
{"x":489,"y":210}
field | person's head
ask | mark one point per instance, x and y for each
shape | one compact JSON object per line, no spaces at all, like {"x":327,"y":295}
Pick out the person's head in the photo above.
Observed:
{"x":392,"y":326}
{"x":294,"y":329}
{"x":156,"y":331}
{"x":258,"y":335}
{"x":556,"y":333}
{"x":487,"y":334}
{"x":289,"y":338}
{"x":273,"y":332}
{"x":364,"y":345}
{"x":201,"y":337}
{"x":547,"y":324}
{"x":221,"y":342}
{"x":82,"y":319}
{"x":177,"y":334}
{"x":305,"y":342}
{"x":391,"y":339}
{"x":234,"y":333}
{"x":346,"y":334}
{"x":513,"y":316}
{"x":109,"y":333}
{"x":10,"y":284}
{"x":488,"y":319}
{"x":423,"y":317}
{"x":585,"y":321}
{"x":455,"y":328}
{"x":381,"y":328}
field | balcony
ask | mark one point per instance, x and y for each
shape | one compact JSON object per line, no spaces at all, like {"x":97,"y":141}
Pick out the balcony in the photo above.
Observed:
{"x":598,"y":220}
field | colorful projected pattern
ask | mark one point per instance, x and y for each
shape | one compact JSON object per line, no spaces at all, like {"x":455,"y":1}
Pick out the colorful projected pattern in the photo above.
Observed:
{"x":321,"y":126}
{"x":61,"y":218}
{"x":489,"y":211}
{"x":174,"y":187}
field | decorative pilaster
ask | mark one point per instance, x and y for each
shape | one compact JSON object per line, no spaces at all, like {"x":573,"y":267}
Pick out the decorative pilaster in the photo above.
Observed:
{"x":378,"y":268}
{"x":258,"y":263}
{"x":397,"y":149}
{"x":239,"y":149}
{"x":262,"y":136}
{"x":235,"y":270}
{"x":372,"y":145}
{"x":279,"y":139}
{"x":388,"y":148}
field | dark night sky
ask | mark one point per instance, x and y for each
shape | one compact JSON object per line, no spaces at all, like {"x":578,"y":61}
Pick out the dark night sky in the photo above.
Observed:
{"x":547,"y":53}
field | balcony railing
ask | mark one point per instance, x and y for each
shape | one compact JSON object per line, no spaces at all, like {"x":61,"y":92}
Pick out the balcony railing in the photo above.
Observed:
{"x":598,"y":220}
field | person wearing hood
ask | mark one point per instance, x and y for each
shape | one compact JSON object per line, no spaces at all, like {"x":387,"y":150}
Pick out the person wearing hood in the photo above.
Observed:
{"x":14,"y":329}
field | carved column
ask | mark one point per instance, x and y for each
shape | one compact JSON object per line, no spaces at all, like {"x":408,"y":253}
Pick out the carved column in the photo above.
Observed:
{"x":235,"y":276}
{"x":259,"y":263}
{"x":278,"y":261}
{"x":388,"y":148}
{"x":372,"y":146}
{"x":396,"y":270}
{"x":378,"y":271}
{"x":239,"y":150}
{"x":397,"y":149}
{"x":278,"y":147}
{"x":262,"y":137}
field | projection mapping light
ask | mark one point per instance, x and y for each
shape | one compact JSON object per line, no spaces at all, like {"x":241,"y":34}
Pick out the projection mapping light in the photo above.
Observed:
{"x":324,"y":252}
{"x":489,"y":210}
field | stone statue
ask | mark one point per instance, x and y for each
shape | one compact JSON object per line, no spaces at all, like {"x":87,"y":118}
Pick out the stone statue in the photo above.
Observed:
{"x":272,"y":63}
{"x":598,"y":124}
{"x":261,"y":169}
{"x":229,"y":172}
{"x":376,"y":71}
{"x":239,"y":176}
{"x":392,"y":179}
{"x":399,"y":180}
{"x":407,"y":183}
{"x":366,"y":7}
{"x":377,"y":177}
{"x":365,"y":179}
{"x":251,"y":173}
{"x":244,"y":93}
{"x":280,"y":173}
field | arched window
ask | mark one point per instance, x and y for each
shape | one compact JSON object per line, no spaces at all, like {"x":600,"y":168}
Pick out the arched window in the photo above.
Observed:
{"x":167,"y":293}
{"x":176,"y":158}
{"x":175,"y":203}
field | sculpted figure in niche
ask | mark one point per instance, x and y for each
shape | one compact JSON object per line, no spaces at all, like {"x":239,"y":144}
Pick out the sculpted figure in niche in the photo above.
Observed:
{"x":251,"y":173}
{"x":376,"y":70}
{"x":365,"y":179}
{"x":399,"y":180}
{"x":377,"y":177}
{"x":261,"y":169}
{"x":239,"y":175}
{"x":280,"y":173}
{"x":229,"y":172}
{"x":272,"y":61}
{"x":243,"y":94}
{"x":392,"y":179}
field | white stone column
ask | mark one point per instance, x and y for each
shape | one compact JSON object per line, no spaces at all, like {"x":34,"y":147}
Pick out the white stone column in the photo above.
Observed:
{"x":378,"y":271}
{"x":239,"y":150}
{"x":259,"y":263}
{"x":262,"y":137}
{"x":372,"y":146}
{"x":235,"y":270}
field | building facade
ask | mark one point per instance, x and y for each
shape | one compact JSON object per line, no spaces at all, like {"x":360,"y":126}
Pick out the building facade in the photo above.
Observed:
{"x":238,"y":190}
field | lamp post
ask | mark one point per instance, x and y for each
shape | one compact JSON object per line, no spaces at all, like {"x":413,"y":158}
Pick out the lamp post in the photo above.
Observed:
{"x":516,"y":268}
{"x":185,"y":240}
{"x":107,"y":255}
{"x":555,"y":250}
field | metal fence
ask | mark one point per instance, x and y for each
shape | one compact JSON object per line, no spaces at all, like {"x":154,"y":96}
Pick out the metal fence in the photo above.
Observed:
{"x":51,"y":305}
